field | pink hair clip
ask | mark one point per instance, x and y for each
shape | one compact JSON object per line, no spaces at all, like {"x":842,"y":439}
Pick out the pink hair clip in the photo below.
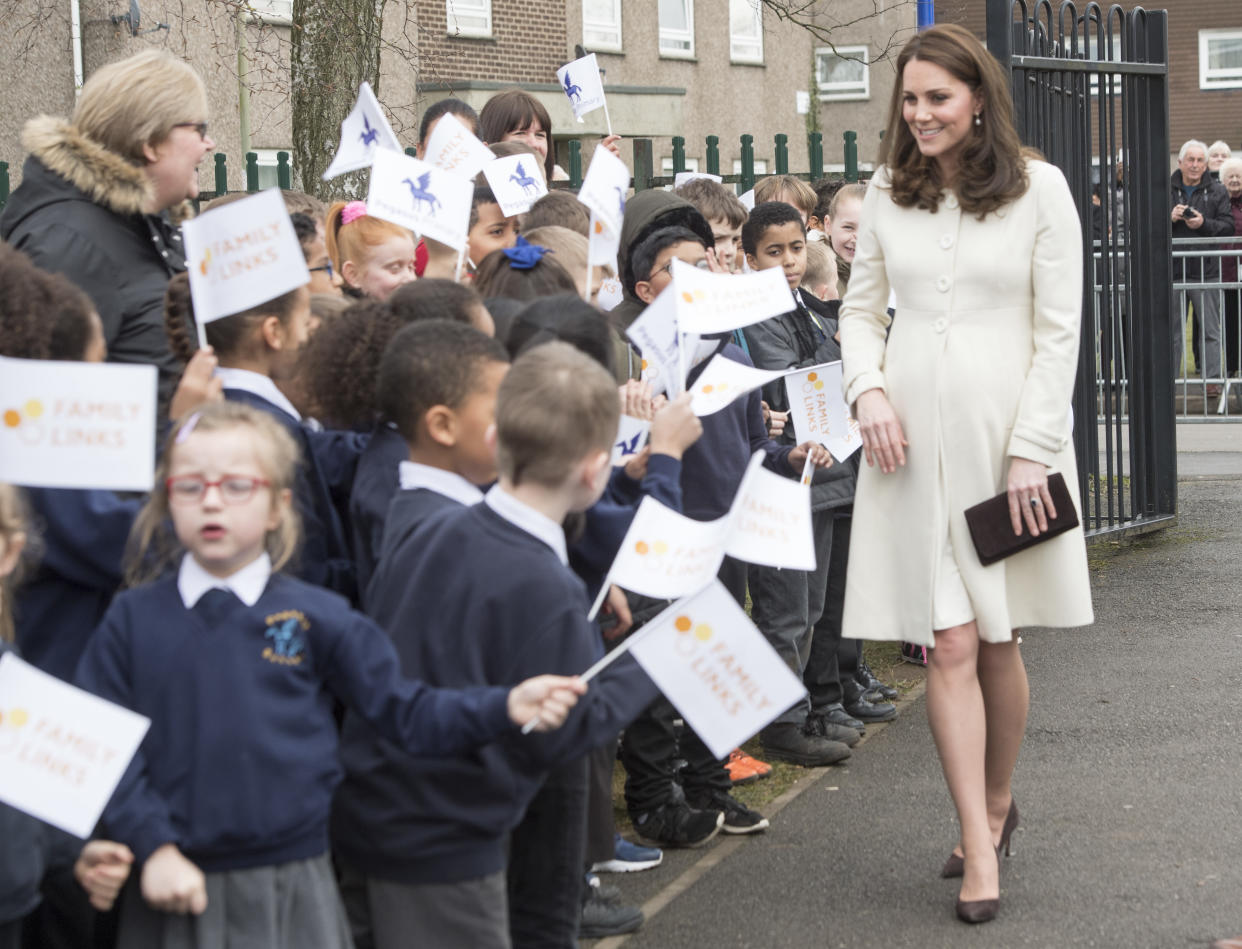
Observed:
{"x":188,"y":428}
{"x":352,"y":211}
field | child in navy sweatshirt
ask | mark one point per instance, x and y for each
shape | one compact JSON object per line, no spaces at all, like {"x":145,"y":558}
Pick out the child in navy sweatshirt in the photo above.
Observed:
{"x":256,"y":348}
{"x":226,"y":804}
{"x":474,"y":596}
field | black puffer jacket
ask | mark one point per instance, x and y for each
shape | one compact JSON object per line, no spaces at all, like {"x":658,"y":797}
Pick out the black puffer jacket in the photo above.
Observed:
{"x":78,"y":212}
{"x":1210,"y":199}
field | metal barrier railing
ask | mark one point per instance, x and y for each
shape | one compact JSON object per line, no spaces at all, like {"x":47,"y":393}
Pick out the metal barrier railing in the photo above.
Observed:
{"x":1207,"y":328}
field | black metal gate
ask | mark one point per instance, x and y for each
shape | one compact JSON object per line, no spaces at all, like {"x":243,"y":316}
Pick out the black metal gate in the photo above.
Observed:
{"x":1090,"y":86}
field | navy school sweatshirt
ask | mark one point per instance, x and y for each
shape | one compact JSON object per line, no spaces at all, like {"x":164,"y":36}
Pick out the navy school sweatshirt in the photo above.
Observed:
{"x":712,"y":468}
{"x":471,"y":599}
{"x":240,"y":763}
{"x":82,"y":534}
{"x":408,"y":510}
{"x":323,"y":558}
{"x":375,"y":484}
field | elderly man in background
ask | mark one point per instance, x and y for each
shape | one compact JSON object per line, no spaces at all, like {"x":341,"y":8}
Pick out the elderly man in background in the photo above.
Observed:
{"x":1200,"y":209}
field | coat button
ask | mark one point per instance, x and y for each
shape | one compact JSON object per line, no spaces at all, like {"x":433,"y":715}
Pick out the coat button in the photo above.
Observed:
{"x":940,"y":325}
{"x":943,"y":284}
{"x":951,"y":202}
{"x":946,"y":241}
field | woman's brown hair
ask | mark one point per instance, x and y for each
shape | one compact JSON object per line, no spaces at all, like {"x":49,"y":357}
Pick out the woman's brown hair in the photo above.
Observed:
{"x":153,"y":546}
{"x":513,"y":111}
{"x":991,"y":166}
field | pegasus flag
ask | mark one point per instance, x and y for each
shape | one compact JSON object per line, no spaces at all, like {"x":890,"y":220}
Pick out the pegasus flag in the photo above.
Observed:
{"x":364,"y":132}
{"x":604,"y":188}
{"x":582,"y":84}
{"x":428,"y":200}
{"x":517,"y":182}
{"x":655,"y":334}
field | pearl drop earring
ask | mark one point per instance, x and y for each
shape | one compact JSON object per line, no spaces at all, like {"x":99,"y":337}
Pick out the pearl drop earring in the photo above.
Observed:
{"x":978,"y":118}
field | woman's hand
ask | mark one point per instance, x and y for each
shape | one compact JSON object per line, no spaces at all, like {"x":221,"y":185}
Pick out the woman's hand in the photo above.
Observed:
{"x":172,"y":884}
{"x":883,"y":439}
{"x":545,"y":701}
{"x":1029,"y":499}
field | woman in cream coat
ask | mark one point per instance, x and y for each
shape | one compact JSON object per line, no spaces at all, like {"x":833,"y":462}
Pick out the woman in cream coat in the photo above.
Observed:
{"x":966,"y":395}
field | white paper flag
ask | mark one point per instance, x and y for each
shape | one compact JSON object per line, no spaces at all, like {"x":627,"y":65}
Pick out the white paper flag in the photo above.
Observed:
{"x":725,"y":380}
{"x":455,"y":148}
{"x":655,"y":334}
{"x":603,"y":245}
{"x":748,"y":199}
{"x":631,"y":437}
{"x":711,"y":662}
{"x":683,"y":176}
{"x":818,"y":412}
{"x":77,"y":424}
{"x":242,"y":255}
{"x":720,"y":303}
{"x":364,"y":131}
{"x":611,"y":294}
{"x":666,"y":554}
{"x":771,"y":520}
{"x":62,"y":750}
{"x":604,"y":187}
{"x":430,"y":201}
{"x":517,"y":182}
{"x":581,"y":82}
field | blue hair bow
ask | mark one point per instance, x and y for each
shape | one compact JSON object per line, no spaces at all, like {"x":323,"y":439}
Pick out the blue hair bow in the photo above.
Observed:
{"x":524,"y":255}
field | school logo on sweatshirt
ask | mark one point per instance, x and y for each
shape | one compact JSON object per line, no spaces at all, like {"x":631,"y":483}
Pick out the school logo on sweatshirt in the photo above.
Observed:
{"x":287,"y":646}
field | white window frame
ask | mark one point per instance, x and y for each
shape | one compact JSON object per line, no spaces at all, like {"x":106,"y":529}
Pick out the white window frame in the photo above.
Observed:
{"x":278,"y":12}
{"x":601,"y":36}
{"x":1092,"y":53}
{"x":666,"y":166}
{"x":477,"y":15}
{"x":744,"y":48}
{"x":266,"y":160}
{"x":672,"y":40}
{"x":761,"y":167}
{"x":840,"y":91}
{"x":1217,"y":78}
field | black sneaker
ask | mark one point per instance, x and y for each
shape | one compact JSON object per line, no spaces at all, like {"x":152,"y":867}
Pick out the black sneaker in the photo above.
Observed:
{"x":677,"y":824}
{"x":874,"y":689}
{"x":787,"y":741}
{"x":817,"y":724}
{"x":601,"y":918}
{"x":738,"y":818}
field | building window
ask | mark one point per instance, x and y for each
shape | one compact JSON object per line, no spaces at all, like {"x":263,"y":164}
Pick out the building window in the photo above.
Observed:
{"x":745,"y":31}
{"x":267,"y":161}
{"x":843,"y":73}
{"x":666,"y":165}
{"x":1220,"y":59}
{"x":1105,"y":55}
{"x":761,"y":166}
{"x":677,"y":28}
{"x":601,"y":24}
{"x":469,"y":17}
{"x":273,"y":11}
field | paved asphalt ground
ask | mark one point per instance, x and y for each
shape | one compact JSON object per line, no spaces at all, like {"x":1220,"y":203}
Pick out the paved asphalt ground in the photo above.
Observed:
{"x":1128,"y":786}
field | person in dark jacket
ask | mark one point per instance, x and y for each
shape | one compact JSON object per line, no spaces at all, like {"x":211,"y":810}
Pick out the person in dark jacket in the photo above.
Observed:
{"x":1231,"y":323}
{"x":96,"y":194}
{"x":1200,"y":209}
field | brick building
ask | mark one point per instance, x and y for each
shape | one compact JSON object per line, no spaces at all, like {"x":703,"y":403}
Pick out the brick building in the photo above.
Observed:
{"x":722,"y":67}
{"x":1205,"y":65}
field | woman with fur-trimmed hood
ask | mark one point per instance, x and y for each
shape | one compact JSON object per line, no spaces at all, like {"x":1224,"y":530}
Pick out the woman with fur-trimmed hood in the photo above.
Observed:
{"x":96,"y":193}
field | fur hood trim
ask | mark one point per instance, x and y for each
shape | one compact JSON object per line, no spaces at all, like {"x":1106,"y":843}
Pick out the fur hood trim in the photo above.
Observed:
{"x":102,"y":175}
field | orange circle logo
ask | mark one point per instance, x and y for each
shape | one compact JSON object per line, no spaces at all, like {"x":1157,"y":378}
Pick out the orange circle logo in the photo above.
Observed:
{"x":641,"y":548}
{"x":12,"y":418}
{"x":682,"y":624}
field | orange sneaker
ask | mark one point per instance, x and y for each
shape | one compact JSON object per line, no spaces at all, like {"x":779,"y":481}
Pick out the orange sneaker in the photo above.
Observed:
{"x":743,"y":769}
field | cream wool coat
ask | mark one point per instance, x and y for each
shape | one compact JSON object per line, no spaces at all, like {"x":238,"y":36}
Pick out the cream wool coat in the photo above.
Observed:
{"x":980,"y":365}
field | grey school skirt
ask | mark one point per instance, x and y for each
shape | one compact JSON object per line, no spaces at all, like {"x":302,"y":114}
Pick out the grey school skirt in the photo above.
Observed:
{"x":290,"y":906}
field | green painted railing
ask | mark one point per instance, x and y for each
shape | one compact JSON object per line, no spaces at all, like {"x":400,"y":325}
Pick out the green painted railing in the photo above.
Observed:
{"x":644,"y":164}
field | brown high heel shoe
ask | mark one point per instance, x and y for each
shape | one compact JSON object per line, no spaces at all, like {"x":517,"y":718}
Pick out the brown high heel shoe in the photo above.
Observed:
{"x":956,"y":864}
{"x":981,"y":911}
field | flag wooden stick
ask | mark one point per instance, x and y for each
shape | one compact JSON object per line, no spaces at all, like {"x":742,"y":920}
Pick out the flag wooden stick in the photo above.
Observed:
{"x":599,"y":600}
{"x":461,"y":262}
{"x":607,"y":120}
{"x":202,"y":334}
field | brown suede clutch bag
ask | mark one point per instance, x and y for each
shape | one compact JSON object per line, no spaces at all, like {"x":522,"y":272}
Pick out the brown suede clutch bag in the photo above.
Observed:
{"x":992,"y":530}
